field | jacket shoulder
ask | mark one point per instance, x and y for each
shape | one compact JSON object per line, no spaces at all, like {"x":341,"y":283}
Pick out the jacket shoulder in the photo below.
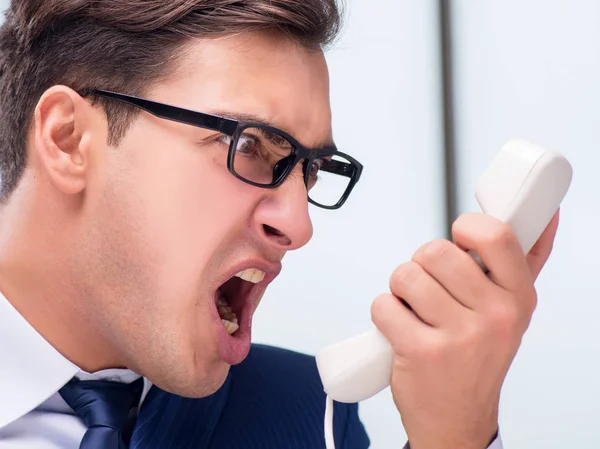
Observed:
{"x":279,"y":390}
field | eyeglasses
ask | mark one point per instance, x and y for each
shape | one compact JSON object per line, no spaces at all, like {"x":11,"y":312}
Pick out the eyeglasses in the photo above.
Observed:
{"x":264,"y":156}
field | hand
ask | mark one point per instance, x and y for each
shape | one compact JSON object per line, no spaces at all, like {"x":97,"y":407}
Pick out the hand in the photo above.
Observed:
{"x":454,"y":348}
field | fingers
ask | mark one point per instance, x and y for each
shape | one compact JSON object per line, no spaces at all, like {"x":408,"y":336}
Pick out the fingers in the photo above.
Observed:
{"x":498,"y":247}
{"x":398,"y":324}
{"x":455,"y":270}
{"x":427,"y":298}
{"x":442,"y":285}
{"x":540,"y":252}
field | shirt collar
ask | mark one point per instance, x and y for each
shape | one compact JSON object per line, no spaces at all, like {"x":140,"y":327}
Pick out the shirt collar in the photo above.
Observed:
{"x":33,"y":370}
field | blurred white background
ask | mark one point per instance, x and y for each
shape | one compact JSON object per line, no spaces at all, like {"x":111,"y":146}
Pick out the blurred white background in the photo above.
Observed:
{"x":531,"y":68}
{"x":523,"y":68}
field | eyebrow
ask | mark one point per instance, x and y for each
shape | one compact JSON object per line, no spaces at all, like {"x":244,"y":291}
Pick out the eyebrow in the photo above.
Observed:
{"x":253,"y":118}
{"x":242,"y":117}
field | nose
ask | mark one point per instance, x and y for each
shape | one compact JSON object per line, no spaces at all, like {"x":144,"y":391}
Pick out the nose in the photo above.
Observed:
{"x":282,"y":216}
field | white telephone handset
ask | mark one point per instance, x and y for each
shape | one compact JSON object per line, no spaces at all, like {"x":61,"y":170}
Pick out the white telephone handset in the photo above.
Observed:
{"x":523,"y":186}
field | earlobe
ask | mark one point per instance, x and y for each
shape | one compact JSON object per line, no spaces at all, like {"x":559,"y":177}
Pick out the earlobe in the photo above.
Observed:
{"x":59,"y":144}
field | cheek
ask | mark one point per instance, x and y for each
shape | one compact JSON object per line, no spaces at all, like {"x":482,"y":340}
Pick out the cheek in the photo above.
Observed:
{"x":191,"y":207}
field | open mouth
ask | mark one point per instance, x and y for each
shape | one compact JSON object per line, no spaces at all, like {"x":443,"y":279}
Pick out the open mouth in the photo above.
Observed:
{"x":233,"y":295}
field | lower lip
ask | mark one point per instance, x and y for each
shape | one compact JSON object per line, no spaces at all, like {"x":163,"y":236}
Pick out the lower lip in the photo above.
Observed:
{"x":233,"y":349}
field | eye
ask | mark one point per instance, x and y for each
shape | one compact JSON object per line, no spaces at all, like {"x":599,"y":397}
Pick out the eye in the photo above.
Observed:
{"x":246,"y":144}
{"x":224,"y":139}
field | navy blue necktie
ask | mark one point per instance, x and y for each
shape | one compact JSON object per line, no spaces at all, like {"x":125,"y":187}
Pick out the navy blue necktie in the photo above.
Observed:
{"x":104,"y":407}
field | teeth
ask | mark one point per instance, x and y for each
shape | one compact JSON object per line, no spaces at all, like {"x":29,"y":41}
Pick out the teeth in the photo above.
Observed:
{"x":253,"y":275}
{"x":230,"y":327}
{"x":228,"y":316}
{"x":226,"y":312}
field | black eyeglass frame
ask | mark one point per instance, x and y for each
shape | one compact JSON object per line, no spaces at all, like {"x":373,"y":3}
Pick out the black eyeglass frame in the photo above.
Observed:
{"x":234,"y":129}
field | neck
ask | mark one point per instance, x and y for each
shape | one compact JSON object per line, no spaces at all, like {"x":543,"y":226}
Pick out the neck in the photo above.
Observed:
{"x":37,"y":279}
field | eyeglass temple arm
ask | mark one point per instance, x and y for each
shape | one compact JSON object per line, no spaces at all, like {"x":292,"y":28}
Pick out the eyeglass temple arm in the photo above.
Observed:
{"x":339,"y":168}
{"x":173,"y":113}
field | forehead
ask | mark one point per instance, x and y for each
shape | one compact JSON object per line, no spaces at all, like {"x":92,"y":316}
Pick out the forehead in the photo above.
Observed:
{"x":258,"y":75}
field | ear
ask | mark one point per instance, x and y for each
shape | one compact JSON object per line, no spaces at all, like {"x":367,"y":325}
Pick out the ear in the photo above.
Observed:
{"x":61,"y":142}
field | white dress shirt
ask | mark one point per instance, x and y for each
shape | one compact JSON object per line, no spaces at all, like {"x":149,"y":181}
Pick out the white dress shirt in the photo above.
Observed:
{"x":497,"y":444}
{"x":32,"y":413}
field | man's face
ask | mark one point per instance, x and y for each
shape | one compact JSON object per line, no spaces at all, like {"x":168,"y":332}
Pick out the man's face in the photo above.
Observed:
{"x":166,"y":225}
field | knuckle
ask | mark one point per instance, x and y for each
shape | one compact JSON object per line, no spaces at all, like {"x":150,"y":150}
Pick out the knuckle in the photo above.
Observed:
{"x":379,"y":307}
{"x":464,"y":225}
{"x":504,"y":319}
{"x":533,"y":302}
{"x":433,"y":252}
{"x":529,"y":301}
{"x":405,"y":275}
{"x":500,"y":235}
{"x":472,"y":334}
{"x":459,"y":224}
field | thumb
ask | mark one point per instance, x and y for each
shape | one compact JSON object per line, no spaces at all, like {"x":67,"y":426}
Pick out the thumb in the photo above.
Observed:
{"x":540,"y":252}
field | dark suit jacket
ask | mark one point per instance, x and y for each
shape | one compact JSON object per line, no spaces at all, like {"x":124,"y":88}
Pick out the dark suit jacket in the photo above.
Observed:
{"x":274,"y":399}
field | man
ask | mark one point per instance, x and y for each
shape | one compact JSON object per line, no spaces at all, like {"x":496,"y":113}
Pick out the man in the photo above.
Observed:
{"x":156,"y":158}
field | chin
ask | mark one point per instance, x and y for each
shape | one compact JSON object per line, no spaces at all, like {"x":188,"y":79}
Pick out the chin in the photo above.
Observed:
{"x":213,"y":382}
{"x":207,"y":383}
{"x":195,"y":383}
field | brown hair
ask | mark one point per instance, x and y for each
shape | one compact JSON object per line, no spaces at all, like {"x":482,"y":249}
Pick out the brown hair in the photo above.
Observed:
{"x":122,"y":45}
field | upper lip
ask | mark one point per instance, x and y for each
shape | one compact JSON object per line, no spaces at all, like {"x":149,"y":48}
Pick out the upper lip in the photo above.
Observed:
{"x":271,"y":270}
